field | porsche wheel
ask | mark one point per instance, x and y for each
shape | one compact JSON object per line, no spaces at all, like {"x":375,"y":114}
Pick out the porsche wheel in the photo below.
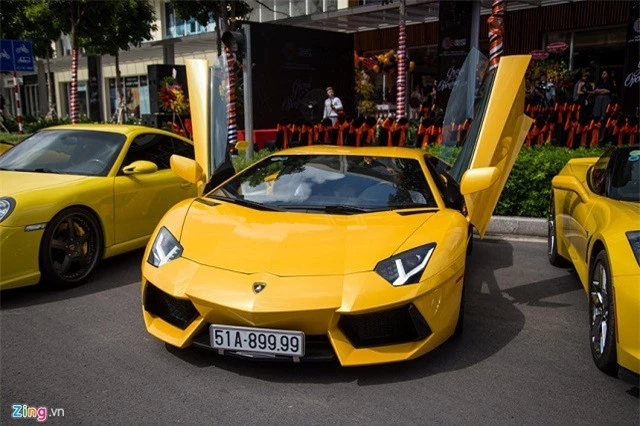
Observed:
{"x":552,"y":237}
{"x":70,"y":249}
{"x":602,"y":316}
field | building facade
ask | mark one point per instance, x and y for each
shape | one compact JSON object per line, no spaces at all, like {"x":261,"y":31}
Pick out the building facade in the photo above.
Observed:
{"x":595,"y":34}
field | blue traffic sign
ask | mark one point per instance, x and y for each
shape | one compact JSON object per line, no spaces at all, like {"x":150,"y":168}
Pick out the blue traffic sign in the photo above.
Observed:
{"x":16,"y":55}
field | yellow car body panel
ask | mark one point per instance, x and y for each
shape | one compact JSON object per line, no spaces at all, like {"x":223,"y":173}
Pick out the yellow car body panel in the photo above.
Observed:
{"x":319,"y":268}
{"x":198,"y":70}
{"x":582,"y":230}
{"x":127,"y":207}
{"x":501,"y":136}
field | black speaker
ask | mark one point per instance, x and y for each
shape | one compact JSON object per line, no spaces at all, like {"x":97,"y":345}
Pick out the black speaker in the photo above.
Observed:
{"x":157,"y":73}
{"x":156,"y":120}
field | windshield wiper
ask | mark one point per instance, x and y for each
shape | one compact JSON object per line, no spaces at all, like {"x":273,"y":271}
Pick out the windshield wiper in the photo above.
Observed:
{"x":43,"y":170}
{"x":245,"y":203}
{"x":330,"y":208}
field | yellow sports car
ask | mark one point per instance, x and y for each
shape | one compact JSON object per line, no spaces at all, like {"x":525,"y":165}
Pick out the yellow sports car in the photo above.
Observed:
{"x":71,"y":195}
{"x":594,"y":222}
{"x":325,"y":252}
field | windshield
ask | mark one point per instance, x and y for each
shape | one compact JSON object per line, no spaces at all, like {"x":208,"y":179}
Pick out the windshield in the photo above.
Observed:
{"x":625,"y":176}
{"x":75,"y":152}
{"x":465,"y":112}
{"x":326,"y":182}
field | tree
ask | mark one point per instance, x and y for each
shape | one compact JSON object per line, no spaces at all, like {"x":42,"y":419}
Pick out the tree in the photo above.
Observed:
{"x":44,"y":27}
{"x":129,"y":22}
{"x":224,"y":14}
{"x":34,"y":21}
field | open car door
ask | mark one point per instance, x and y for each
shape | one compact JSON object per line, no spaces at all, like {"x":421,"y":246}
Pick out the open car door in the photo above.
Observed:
{"x":209,"y":99}
{"x":489,"y":107}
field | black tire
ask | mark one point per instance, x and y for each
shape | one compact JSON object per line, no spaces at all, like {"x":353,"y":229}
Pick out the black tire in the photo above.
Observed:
{"x":70,"y":249}
{"x":552,"y":237}
{"x":602,"y":336}
{"x":457,"y":332}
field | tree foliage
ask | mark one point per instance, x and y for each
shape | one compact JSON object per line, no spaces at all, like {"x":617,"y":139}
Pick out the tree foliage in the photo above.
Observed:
{"x":223,"y":13}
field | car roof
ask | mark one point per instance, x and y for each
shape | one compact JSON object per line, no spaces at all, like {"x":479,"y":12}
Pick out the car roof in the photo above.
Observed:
{"x":124,"y":129}
{"x":374,"y":151}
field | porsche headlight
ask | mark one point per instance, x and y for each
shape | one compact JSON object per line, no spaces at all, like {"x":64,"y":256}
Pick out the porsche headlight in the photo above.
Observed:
{"x":634,"y":240}
{"x":7,"y":204}
{"x":165,"y":248}
{"x":406,"y":267}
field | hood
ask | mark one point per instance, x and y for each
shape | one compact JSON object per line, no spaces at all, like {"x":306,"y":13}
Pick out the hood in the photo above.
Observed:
{"x":12,"y":183}
{"x":245,"y":240}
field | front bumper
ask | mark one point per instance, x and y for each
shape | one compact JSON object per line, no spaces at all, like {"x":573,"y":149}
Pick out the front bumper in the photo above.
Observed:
{"x":325,"y":308}
{"x":19,"y":252}
{"x":627,"y":308}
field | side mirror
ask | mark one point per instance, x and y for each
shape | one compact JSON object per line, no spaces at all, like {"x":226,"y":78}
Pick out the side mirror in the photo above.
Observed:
{"x":476,"y":180}
{"x":186,"y":168}
{"x":570,"y":183}
{"x":140,"y":167}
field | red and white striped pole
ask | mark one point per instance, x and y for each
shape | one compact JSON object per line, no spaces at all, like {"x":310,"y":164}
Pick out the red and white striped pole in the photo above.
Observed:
{"x":232,"y":136}
{"x":73,"y":99}
{"x":401,"y":82}
{"x":16,"y":91}
{"x":496,"y":30}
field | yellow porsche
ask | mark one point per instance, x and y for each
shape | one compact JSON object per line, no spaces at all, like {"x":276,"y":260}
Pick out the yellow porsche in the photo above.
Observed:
{"x":71,"y":195}
{"x":325,"y":252}
{"x":594,"y":223}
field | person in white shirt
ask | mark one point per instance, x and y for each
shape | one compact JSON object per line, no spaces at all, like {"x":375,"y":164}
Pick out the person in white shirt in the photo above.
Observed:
{"x":332,"y":105}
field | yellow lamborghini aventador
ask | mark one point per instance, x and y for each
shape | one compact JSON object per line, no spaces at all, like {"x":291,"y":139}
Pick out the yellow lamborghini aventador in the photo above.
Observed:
{"x":70,"y":195}
{"x":330,"y":252}
{"x":594,"y":222}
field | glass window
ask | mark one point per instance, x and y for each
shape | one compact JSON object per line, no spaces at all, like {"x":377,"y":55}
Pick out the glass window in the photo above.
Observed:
{"x":328,"y":183}
{"x":598,"y":175}
{"x":75,"y":152}
{"x":625,"y":175}
{"x":83,"y":101}
{"x":158,"y":149}
{"x":136,"y":92}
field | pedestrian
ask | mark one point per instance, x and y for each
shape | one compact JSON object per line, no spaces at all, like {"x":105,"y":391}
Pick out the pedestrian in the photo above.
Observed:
{"x":603,"y":90}
{"x":332,"y":106}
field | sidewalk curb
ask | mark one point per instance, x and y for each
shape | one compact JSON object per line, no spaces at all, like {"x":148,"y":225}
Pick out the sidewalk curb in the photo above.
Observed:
{"x":500,"y":226}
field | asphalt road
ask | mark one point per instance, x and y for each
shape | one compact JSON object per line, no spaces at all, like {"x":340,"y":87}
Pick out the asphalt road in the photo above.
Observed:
{"x":523,"y":359}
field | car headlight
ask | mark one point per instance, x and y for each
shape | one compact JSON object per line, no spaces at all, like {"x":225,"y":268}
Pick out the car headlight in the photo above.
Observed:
{"x":634,"y":240}
{"x":7,"y":204}
{"x":406,"y":267}
{"x":165,"y":248}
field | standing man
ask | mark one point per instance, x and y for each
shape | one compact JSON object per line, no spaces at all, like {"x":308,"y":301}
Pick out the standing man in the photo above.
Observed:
{"x":332,"y":106}
{"x":603,"y":90}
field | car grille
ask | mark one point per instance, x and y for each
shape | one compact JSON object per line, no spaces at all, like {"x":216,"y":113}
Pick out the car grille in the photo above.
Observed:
{"x":177,"y":312}
{"x":399,"y":325}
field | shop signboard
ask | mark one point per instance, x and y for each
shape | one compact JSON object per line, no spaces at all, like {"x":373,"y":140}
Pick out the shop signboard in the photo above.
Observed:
{"x":538,"y":55}
{"x":455,"y":40}
{"x":16,"y":55}
{"x":557,"y":47}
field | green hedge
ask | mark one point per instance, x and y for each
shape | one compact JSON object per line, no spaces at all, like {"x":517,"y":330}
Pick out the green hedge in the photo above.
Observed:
{"x":528,"y":188}
{"x":12,"y":138}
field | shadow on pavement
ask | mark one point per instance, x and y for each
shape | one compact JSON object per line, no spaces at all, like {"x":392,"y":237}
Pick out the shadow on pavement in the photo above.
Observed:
{"x":532,"y":294}
{"x":111,"y":273}
{"x":491,"y":322}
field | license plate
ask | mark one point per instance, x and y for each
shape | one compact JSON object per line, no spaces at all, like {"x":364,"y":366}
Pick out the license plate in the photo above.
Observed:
{"x":258,"y":340}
